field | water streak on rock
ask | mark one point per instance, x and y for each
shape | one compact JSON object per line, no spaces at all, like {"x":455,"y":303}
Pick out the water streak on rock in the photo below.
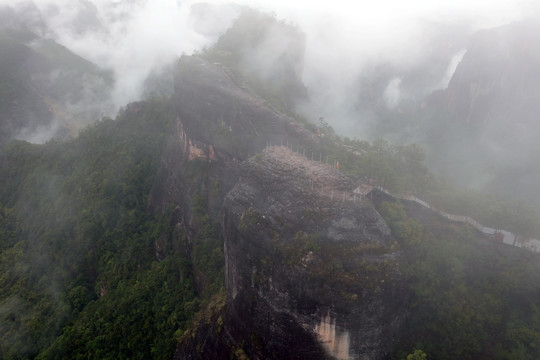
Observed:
{"x":335,"y":339}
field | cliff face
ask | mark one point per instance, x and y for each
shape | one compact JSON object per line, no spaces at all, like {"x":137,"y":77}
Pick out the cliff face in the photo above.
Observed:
{"x":321,"y":266}
{"x":308,"y":275}
{"x":219,"y":124}
{"x":493,"y":93}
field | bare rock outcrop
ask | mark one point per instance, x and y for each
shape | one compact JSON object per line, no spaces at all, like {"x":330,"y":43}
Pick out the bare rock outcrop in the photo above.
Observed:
{"x":303,"y":267}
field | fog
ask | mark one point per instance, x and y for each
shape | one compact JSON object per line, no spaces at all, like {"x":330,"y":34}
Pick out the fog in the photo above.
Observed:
{"x":347,"y":41}
{"x":344,"y":39}
{"x":132,"y":38}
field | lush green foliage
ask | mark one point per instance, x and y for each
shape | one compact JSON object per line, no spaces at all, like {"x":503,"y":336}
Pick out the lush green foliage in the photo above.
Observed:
{"x":471,"y":299}
{"x":79,"y":277}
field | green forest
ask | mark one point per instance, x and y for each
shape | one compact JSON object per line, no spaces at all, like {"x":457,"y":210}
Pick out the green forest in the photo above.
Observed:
{"x":79,"y":277}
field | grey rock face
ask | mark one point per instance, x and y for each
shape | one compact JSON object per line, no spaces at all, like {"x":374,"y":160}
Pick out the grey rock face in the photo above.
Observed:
{"x":325,"y":267}
{"x":308,"y":274}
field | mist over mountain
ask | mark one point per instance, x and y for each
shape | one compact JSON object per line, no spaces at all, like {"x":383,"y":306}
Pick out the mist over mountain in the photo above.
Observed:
{"x":67,"y":66}
{"x":481,"y":130}
{"x":185,"y":180}
{"x":376,"y":85}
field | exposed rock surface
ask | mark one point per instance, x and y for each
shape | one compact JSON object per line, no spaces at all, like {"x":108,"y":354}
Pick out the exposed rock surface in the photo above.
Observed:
{"x":309,"y":275}
{"x":494,"y":90}
{"x":328,"y":265}
{"x":219,"y":125}
{"x":497,"y":80}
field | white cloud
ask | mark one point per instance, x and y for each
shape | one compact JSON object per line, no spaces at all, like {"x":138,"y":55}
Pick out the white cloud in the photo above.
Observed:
{"x":132,"y":39}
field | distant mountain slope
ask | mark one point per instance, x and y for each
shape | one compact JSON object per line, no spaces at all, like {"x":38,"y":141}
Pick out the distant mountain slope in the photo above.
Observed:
{"x":484,"y":127}
{"x":45,"y":89}
{"x":498,"y":81}
{"x":482,"y":130}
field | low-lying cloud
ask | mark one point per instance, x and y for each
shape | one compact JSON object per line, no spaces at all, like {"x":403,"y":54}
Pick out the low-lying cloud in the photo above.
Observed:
{"x":133,"y":38}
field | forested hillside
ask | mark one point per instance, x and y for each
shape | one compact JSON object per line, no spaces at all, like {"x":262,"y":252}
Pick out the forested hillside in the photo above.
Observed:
{"x":79,"y":272}
{"x":88,"y":270}
{"x":471,"y":298}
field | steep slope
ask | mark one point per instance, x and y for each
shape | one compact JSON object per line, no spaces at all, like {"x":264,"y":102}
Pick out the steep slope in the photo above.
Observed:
{"x":491,"y":108}
{"x":190,"y":226}
{"x":221,"y":123}
{"x":496,"y":85}
{"x":77,"y":242}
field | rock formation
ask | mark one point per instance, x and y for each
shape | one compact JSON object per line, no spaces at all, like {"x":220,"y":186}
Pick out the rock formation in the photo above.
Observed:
{"x":308,"y":275}
{"x":326,"y":265}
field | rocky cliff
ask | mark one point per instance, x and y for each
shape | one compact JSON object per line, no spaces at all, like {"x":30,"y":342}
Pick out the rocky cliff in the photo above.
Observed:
{"x":325,"y":266}
{"x":308,"y":275}
{"x":494,"y":91}
{"x":220,"y":123}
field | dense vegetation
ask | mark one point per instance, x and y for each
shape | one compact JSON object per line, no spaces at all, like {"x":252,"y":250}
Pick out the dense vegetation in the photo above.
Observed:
{"x":79,"y":275}
{"x":470,"y":299}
